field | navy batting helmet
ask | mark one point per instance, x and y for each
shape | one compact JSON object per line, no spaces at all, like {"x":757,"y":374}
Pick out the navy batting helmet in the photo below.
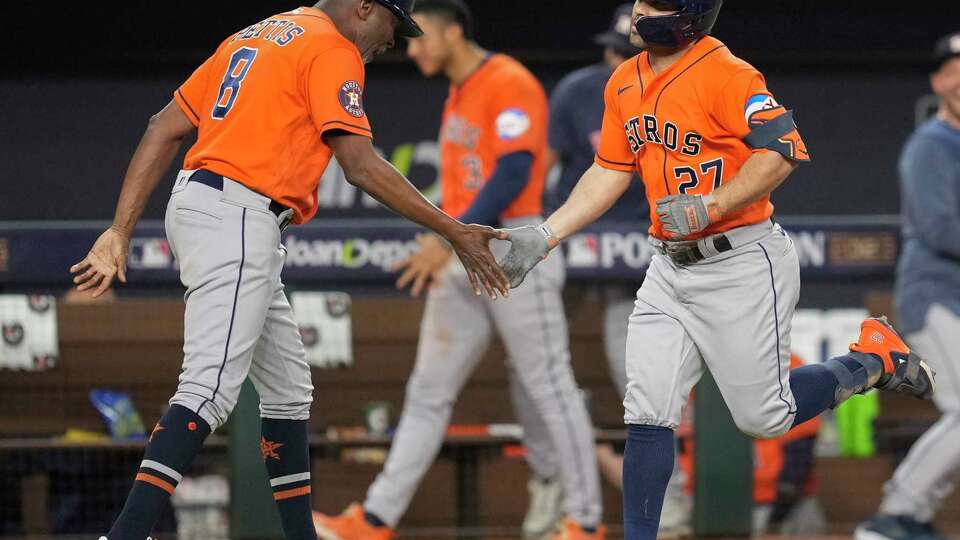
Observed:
{"x":693,"y":19}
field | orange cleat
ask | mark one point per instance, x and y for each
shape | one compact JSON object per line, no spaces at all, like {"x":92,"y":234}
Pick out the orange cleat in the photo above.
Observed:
{"x":571,"y":530}
{"x":350,"y":525}
{"x":903,"y":371}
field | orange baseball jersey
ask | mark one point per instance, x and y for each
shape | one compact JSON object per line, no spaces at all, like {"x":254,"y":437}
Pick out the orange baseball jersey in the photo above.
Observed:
{"x":683,"y":129}
{"x":500,"y":109}
{"x":266,"y":97}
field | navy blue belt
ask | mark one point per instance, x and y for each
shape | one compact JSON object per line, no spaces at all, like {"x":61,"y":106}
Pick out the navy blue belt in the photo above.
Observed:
{"x":215,"y":181}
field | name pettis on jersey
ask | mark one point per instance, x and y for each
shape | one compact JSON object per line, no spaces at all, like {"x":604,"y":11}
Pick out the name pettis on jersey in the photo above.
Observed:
{"x":279,"y":31}
{"x":668,"y":136}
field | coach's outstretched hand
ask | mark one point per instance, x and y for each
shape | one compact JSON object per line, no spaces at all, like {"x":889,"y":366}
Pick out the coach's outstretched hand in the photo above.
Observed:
{"x":472,"y":244}
{"x":107,"y":259}
{"x":528,"y":246}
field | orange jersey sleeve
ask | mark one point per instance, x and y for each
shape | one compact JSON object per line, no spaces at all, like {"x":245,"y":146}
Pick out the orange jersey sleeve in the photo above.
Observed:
{"x":516,"y":113}
{"x":190,"y":95}
{"x":745,"y":103}
{"x":614,"y":151}
{"x":335,"y":81}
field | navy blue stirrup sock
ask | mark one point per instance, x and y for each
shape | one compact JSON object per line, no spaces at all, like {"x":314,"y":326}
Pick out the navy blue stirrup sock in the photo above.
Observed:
{"x":287,"y":457}
{"x":173,"y":444}
{"x":814,"y":389}
{"x":819,"y":387}
{"x":647,"y":466}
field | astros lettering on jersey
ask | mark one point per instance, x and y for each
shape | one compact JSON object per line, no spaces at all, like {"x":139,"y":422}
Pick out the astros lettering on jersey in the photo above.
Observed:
{"x":683,"y":129}
{"x":500,"y":109}
{"x":273,"y":143}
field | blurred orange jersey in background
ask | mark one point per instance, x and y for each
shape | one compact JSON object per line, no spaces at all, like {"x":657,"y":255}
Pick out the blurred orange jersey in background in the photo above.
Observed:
{"x":500,"y":109}
{"x":264,"y":100}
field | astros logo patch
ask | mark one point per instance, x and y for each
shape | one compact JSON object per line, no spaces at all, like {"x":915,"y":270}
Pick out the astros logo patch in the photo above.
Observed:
{"x":351,"y":98}
{"x":269,"y":449}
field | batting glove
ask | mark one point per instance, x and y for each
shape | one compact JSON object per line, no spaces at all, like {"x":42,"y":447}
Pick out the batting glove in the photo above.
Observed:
{"x":683,"y":215}
{"x":528,"y":246}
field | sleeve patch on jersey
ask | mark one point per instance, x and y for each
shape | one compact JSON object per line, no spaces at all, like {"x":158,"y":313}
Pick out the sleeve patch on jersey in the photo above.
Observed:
{"x":774,"y":129}
{"x":757,"y":103}
{"x":351,"y":98}
{"x":512,"y":123}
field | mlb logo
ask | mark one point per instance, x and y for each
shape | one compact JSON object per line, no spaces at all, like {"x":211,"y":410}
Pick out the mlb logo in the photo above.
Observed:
{"x":583,"y":251}
{"x":150,"y":254}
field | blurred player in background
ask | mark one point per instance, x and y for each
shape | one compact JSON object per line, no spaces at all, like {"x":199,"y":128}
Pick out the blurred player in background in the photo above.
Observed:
{"x":928,"y":302}
{"x":493,"y":164}
{"x":576,"y":113}
{"x":270,"y":108}
{"x":711,"y":144}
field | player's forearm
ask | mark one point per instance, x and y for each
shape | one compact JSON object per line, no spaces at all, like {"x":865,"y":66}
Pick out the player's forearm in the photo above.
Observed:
{"x":762,"y":173}
{"x":384,"y":183}
{"x":153,"y":156}
{"x":593,"y":195}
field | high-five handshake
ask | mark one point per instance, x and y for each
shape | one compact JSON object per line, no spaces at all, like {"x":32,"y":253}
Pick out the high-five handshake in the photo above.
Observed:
{"x":681,"y":215}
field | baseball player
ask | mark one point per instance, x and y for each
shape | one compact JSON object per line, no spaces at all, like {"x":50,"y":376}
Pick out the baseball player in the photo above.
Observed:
{"x":710,"y":143}
{"x":928,"y":300}
{"x":493,"y":145}
{"x":270,"y":108}
{"x":576,"y":113}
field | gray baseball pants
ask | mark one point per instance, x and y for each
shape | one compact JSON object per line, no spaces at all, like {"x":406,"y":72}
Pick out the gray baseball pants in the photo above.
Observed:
{"x":238,"y":321}
{"x":930,"y":471}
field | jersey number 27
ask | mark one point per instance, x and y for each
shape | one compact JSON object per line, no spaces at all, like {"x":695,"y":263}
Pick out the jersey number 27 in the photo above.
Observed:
{"x":240,"y":62}
{"x":693,"y":178}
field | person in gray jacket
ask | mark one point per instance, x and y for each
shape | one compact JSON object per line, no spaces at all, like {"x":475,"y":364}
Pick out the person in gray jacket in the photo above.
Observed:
{"x":928,"y":301}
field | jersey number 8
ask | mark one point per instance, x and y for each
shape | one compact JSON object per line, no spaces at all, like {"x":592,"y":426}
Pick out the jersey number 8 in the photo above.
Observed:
{"x":240,"y":63}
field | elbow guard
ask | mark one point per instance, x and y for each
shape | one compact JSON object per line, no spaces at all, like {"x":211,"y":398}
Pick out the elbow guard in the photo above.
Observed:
{"x":774,"y":129}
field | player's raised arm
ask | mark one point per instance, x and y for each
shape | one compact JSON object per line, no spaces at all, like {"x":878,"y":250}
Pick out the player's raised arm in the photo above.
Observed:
{"x":596,"y":191}
{"x":593,"y":195}
{"x":108,"y":256}
{"x":371,"y":173}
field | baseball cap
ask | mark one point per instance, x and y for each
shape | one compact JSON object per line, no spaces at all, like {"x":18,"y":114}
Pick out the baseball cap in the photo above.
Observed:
{"x":946,"y":48}
{"x":618,"y":36}
{"x":402,"y":9}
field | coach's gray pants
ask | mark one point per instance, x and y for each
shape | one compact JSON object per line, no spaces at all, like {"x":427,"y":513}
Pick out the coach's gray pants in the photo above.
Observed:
{"x":456,"y":330}
{"x":929,"y":473}
{"x":238,"y":320}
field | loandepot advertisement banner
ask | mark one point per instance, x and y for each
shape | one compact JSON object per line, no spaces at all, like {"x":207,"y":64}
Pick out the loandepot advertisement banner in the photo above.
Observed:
{"x":363,"y":251}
